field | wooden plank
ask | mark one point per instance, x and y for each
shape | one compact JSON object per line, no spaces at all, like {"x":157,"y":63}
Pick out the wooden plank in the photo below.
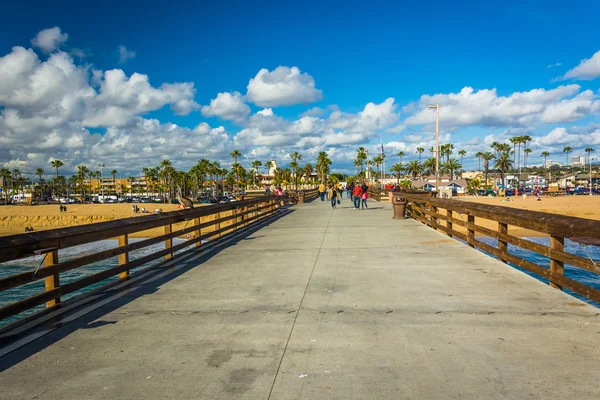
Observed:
{"x":198,"y":231}
{"x":449,"y":221}
{"x":557,"y":267}
{"x":53,"y":281}
{"x":123,"y":240}
{"x":169,"y":242}
{"x":471,"y":232}
{"x":502,"y":244}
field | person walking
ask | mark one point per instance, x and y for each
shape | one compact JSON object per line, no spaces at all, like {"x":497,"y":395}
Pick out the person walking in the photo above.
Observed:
{"x":349,"y":190}
{"x":322,"y":191}
{"x":333,"y":196}
{"x":357,"y":193}
{"x":365,"y":196}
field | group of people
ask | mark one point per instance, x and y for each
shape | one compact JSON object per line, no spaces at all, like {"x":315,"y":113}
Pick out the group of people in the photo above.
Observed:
{"x":358,"y":194}
{"x":135,"y":209}
{"x":63,"y":208}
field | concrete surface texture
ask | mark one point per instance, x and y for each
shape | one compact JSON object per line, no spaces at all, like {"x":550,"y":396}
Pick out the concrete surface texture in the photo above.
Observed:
{"x":330,"y":304}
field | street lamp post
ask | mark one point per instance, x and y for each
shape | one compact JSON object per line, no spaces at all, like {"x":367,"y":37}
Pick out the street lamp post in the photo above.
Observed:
{"x":437,"y":148}
{"x":101,"y":183}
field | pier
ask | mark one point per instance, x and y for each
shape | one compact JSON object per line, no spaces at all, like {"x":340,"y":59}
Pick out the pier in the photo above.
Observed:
{"x":305,"y":302}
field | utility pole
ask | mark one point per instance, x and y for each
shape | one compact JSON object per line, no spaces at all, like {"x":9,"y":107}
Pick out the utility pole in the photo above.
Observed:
{"x":437,"y":148}
{"x":101,"y":183}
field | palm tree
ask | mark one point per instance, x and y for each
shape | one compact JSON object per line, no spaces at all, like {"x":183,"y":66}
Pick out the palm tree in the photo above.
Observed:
{"x":295,"y":156}
{"x":414,"y":168}
{"x":323,"y":163}
{"x":451,"y":166}
{"x":487,"y":157}
{"x":514,"y":140}
{"x":361,"y":157}
{"x":478,"y":156}
{"x":524,"y":140}
{"x":39,"y":172}
{"x":235,"y":154}
{"x":56,"y":164}
{"x":132,"y":179}
{"x":255,"y":165}
{"x":5,"y":174}
{"x":545,"y":154}
{"x":419,"y":151}
{"x":269,"y":165}
{"x":503,"y":163}
{"x":307,"y":171}
{"x":526,"y":153}
{"x":82,"y":173}
{"x":589,"y":150}
{"x":429,"y":165}
{"x":401,"y":154}
{"x":397,"y":168}
{"x":462,"y":153}
{"x":567,"y":150}
{"x":114,"y":172}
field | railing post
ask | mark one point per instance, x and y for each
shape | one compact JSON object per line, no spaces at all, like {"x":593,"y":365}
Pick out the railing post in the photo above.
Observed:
{"x":123,"y":240}
{"x":53,"y":281}
{"x":502,"y":245}
{"x":169,"y":241}
{"x":198,"y":231}
{"x":219,"y":224}
{"x":471,"y":231}
{"x":448,"y":222}
{"x":556,"y":267}
{"x":434,"y":220}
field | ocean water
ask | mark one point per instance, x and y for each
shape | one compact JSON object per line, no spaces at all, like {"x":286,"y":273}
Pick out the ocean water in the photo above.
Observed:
{"x":31,"y":263}
{"x":578,"y":274}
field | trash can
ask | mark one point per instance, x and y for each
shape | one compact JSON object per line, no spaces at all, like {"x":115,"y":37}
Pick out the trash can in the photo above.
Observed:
{"x":301,"y":197}
{"x":399,"y":205}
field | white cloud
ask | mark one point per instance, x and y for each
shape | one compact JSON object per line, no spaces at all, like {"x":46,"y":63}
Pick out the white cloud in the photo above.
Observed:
{"x":50,"y":39}
{"x":557,"y":64}
{"x":283,"y":86}
{"x":266,"y":112}
{"x":228,"y":106}
{"x":485,"y":108}
{"x":586,"y":70}
{"x":125,"y":54}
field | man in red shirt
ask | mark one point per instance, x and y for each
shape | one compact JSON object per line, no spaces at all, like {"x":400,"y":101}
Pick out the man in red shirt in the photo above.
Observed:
{"x":357,"y":193}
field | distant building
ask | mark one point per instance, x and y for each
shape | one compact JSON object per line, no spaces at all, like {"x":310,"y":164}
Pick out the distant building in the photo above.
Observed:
{"x":577,"y":161}
{"x":548,"y":163}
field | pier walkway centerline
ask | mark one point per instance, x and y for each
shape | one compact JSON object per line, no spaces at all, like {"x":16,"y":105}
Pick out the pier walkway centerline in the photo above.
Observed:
{"x":327,"y":304}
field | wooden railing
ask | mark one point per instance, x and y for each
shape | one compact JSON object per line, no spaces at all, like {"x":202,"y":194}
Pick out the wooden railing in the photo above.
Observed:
{"x":195,"y":225}
{"x":465,"y":220}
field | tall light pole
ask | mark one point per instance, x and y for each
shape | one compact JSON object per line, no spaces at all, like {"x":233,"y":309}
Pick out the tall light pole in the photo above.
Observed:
{"x":437,"y":148}
{"x":101,"y":184}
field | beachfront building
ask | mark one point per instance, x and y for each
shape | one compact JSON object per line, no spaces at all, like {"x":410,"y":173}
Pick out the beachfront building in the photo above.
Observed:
{"x":580,"y":179}
{"x":451,"y":187}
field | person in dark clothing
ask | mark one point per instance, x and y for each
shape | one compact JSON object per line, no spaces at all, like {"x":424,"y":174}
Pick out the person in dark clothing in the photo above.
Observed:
{"x":349,"y":191}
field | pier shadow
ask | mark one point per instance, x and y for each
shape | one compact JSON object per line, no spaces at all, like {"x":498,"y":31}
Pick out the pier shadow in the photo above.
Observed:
{"x":81,"y":312}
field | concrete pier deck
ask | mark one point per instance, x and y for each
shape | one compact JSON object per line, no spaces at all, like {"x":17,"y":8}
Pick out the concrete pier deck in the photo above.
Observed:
{"x":325,"y":304}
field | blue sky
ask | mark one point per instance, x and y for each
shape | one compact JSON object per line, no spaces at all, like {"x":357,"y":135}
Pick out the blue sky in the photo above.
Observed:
{"x":354,"y":53}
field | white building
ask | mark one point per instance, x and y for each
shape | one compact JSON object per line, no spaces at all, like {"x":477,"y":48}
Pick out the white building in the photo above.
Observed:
{"x":578,"y":161}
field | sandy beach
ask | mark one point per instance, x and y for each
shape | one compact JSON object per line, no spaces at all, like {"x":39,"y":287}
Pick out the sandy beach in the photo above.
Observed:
{"x":14,"y":219}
